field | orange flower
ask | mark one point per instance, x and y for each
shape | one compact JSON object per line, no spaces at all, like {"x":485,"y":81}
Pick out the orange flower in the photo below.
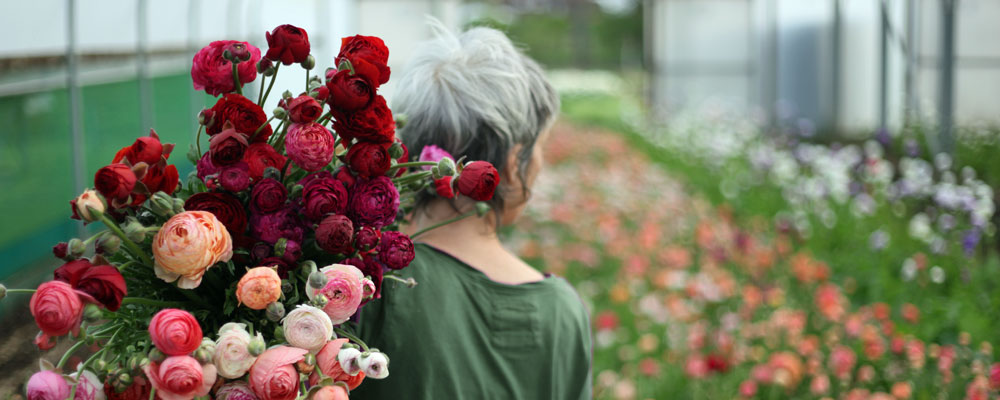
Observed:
{"x":258,"y":288}
{"x":188,"y":244}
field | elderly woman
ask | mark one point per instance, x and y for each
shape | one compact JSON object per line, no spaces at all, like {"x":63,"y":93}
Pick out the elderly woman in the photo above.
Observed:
{"x":481,"y":323}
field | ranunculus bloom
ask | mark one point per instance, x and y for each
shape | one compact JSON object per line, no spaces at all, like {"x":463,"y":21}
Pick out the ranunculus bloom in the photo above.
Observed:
{"x":334,"y":234}
{"x":343,"y":291}
{"x":288,"y":44}
{"x":260,"y":156}
{"x":322,"y":194}
{"x":395,"y":250}
{"x":235,"y":178}
{"x":303,"y":109}
{"x":326,"y":361}
{"x":147,"y":149}
{"x":345,"y":176}
{"x":349,"y":92}
{"x":348,"y":358}
{"x":57,"y":308}
{"x":225,"y":207}
{"x":180,"y":378}
{"x":115,"y":181}
{"x":334,"y":392}
{"x":227,"y":147}
{"x":47,"y":385}
{"x":138,"y":390}
{"x":89,"y":198}
{"x":232,"y":356}
{"x":259,"y":287}
{"x":213,"y":74}
{"x":368,"y":159}
{"x":268,"y":195}
{"x":283,"y":223}
{"x":433,"y":153}
{"x":371,"y":124}
{"x":205,"y":167}
{"x":375,"y":365}
{"x":373,"y":202}
{"x":368,"y":48}
{"x":478,"y":180}
{"x":175,"y":332}
{"x":370,"y":268}
{"x":307,"y":327}
{"x":235,"y":390}
{"x":103,"y":283}
{"x":443,"y":187}
{"x":245,"y":115}
{"x":88,"y":386}
{"x":309,"y":145}
{"x":366,"y":238}
{"x":273,"y":375}
{"x":188,"y":244}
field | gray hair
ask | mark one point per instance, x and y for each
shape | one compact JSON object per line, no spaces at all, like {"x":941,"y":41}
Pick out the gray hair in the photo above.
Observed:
{"x":474,"y":95}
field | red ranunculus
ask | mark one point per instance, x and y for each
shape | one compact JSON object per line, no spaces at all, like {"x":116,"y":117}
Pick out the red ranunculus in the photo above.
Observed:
{"x":478,"y":180}
{"x":213,"y":74}
{"x":245,"y":115}
{"x":395,"y":250}
{"x":345,"y":176}
{"x":103,"y":283}
{"x":335,"y":234}
{"x":288,"y":44}
{"x":138,"y":390}
{"x":371,"y":124}
{"x":115,"y":181}
{"x":349,"y":92}
{"x":260,"y":156}
{"x":444,"y":188}
{"x":366,"y":238}
{"x":373,"y":202}
{"x":321,"y":195}
{"x":368,"y":159}
{"x":268,"y":195}
{"x":158,"y":180}
{"x":57,"y":308}
{"x":227,"y":209}
{"x":147,"y":149}
{"x":175,"y":332}
{"x":227,"y":147}
{"x":368,"y":48}
{"x":310,"y":146}
{"x":303,"y":109}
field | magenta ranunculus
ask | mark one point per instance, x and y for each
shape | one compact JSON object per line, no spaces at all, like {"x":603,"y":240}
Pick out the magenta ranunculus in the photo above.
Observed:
{"x":235,"y":178}
{"x":373,"y":202}
{"x":367,"y":238}
{"x":322,"y":194}
{"x":280,"y":224}
{"x":213,"y":74}
{"x":310,"y":146}
{"x":334,"y":234}
{"x":268,"y":195}
{"x":205,"y":167}
{"x":433,"y":153}
{"x":395,"y":250}
{"x":47,"y":385}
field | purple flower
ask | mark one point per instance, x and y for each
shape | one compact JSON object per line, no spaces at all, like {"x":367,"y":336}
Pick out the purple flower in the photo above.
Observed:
{"x":433,"y":153}
{"x":883,"y":137}
{"x":373,"y":202}
{"x":205,"y":167}
{"x":279,"y":224}
{"x":970,"y":240}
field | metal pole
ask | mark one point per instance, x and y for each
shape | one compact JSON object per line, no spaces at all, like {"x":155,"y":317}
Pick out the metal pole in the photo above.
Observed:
{"x":142,"y":67}
{"x":75,"y":105}
{"x":883,"y":92}
{"x":195,"y":99}
{"x":910,"y":113}
{"x":946,"y":106}
{"x":772,"y":69}
{"x":835,"y":72}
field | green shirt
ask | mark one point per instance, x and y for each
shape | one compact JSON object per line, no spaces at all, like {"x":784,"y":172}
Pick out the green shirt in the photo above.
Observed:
{"x":460,"y":335}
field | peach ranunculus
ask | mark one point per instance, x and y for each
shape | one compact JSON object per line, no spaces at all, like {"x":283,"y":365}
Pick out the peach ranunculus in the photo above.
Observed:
{"x":180,"y":378}
{"x":232,"y":355}
{"x":332,"y":392}
{"x":188,"y":244}
{"x":258,"y":288}
{"x":329,"y":365}
{"x":344,"y":291}
{"x":273,"y":376}
{"x":307,"y":327}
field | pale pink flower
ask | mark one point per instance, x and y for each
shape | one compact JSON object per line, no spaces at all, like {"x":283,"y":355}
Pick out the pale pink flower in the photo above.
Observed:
{"x":375,"y":365}
{"x":232,"y":355}
{"x":344,"y":291}
{"x":307,"y":327}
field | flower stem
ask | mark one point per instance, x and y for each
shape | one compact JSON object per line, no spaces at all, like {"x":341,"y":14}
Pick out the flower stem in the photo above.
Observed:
{"x":72,"y":393}
{"x":411,"y":177}
{"x":261,"y":127}
{"x":307,"y":82}
{"x":197,"y":138}
{"x":21,"y":290}
{"x":260,"y":93}
{"x":270,"y":85}
{"x":323,"y":119}
{"x":285,"y":168}
{"x":133,"y":248}
{"x":65,"y":357}
{"x":350,"y":336}
{"x":236,"y":79}
{"x":151,"y":302}
{"x":152,"y":394}
{"x":443,"y":223}
{"x":409,"y":282}
{"x":413,"y":164}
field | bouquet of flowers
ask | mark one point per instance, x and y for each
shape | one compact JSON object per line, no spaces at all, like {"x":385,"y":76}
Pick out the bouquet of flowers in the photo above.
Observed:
{"x":242,"y":282}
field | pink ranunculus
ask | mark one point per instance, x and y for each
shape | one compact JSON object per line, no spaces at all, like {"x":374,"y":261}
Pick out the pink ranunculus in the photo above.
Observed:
{"x":188,"y":244}
{"x":175,"y":332}
{"x":232,"y":355}
{"x":180,"y":378}
{"x":89,"y":386}
{"x":57,"y":308}
{"x":343,"y":291}
{"x":309,"y":145}
{"x":433,"y":153}
{"x":213,"y":74}
{"x":47,"y":385}
{"x":333,"y":392}
{"x":307,"y":327}
{"x":273,"y":376}
{"x":235,"y":390}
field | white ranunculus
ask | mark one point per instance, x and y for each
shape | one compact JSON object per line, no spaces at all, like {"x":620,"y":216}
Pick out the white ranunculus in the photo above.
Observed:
{"x":307,"y":327}
{"x":232,"y":355}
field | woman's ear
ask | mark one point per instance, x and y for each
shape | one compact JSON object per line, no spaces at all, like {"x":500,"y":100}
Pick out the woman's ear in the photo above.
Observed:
{"x":511,"y":173}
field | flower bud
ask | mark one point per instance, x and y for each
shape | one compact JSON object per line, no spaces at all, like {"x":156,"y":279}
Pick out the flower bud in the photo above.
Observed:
{"x":92,"y":313}
{"x":100,"y":364}
{"x":155,"y":355}
{"x":89,"y":206}
{"x":396,"y":150}
{"x":192,"y":154}
{"x":320,"y":300}
{"x":134,"y":230}
{"x":279,"y":333}
{"x":3,"y":291}
{"x":272,"y":173}
{"x":482,"y":208}
{"x":436,"y":173}
{"x":446,"y":166}
{"x":203,"y":356}
{"x":178,"y":206}
{"x":76,"y":248}
{"x":400,"y":120}
{"x":286,"y":287}
{"x":280,"y":246}
{"x":275,"y":311}
{"x":133,"y":362}
{"x":348,"y":359}
{"x":309,"y":63}
{"x":257,"y":345}
{"x":375,"y":365}
{"x":287,"y":95}
{"x":295,"y":192}
{"x":279,"y":113}
{"x":317,"y":280}
{"x":124,"y":379}
{"x":265,"y":66}
{"x":108,"y":243}
{"x":162,"y":204}
{"x":314,"y":83}
{"x":236,"y":52}
{"x":308,"y":265}
{"x":206,"y":116}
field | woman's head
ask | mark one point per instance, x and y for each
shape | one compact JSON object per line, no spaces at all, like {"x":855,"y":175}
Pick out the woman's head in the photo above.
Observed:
{"x":476,"y":95}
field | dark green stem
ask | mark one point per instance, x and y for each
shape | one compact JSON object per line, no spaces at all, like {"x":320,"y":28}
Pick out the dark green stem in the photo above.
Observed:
{"x":270,"y":85}
{"x":288,"y":162}
{"x":236,"y":79}
{"x":413,"y":164}
{"x":411,"y":177}
{"x":260,"y":93}
{"x":21,"y":291}
{"x":353,"y":338}
{"x":132,"y":247}
{"x":65,"y":357}
{"x":197,"y":138}
{"x":443,"y":223}
{"x":151,"y":302}
{"x":261,"y":127}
